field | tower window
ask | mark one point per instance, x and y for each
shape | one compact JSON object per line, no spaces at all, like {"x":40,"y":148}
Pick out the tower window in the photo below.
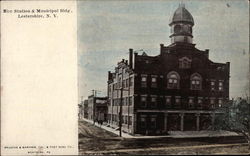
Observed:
{"x":173,"y":79}
{"x":196,"y":81}
{"x":177,"y":29}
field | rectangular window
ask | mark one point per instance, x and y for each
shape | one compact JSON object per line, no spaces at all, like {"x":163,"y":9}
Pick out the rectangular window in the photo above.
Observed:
{"x":153,"y":122}
{"x":220,"y":86}
{"x":212,"y":102}
{"x":130,"y":101}
{"x":130,"y":120}
{"x":220,"y":101}
{"x":191,"y":102}
{"x":126,"y":120}
{"x":153,"y":101}
{"x":127,"y":82}
{"x":143,"y":81}
{"x":168,"y":101}
{"x":212,"y":83}
{"x":123,"y":84}
{"x":199,"y":102}
{"x":177,"y":102}
{"x":153,"y":82}
{"x":143,"y":101}
{"x":131,"y":81}
{"x":143,"y":122}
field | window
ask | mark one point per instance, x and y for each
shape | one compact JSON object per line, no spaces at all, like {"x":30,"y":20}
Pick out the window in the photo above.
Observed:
{"x":124,"y":101}
{"x":154,"y":82}
{"x":177,"y":101}
{"x":191,"y":102}
{"x":126,"y":119}
{"x":220,"y":102}
{"x":143,"y":121}
{"x":130,"y":101}
{"x":130,"y":120}
{"x":168,"y":101}
{"x":220,"y":86}
{"x":212,"y":83}
{"x":153,"y":122}
{"x":196,"y":81}
{"x":127,"y":81}
{"x":153,"y":101}
{"x":185,"y":63}
{"x":199,"y":102}
{"x":143,"y":101}
{"x":212,"y":102}
{"x":173,"y":80}
{"x":131,"y":81}
{"x":177,"y":29}
{"x":123,"y":83}
{"x":143,"y":81}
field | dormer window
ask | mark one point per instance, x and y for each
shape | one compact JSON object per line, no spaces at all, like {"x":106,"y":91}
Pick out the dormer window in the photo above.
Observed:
{"x":185,"y":63}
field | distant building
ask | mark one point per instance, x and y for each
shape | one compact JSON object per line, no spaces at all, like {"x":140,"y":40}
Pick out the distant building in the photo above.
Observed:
{"x":97,"y":108}
{"x":85,"y":108}
{"x":179,"y":89}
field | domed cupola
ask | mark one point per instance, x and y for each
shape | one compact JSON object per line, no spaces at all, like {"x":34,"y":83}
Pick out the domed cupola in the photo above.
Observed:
{"x":181,"y":25}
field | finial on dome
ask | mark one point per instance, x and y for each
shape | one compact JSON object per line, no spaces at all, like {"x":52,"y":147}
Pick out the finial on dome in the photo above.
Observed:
{"x":182,"y":4}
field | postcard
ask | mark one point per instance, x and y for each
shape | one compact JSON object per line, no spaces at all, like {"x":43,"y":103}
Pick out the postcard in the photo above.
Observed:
{"x":123,"y":77}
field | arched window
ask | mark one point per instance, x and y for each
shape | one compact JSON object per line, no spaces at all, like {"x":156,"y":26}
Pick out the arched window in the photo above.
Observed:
{"x":173,"y":80}
{"x":185,"y":63}
{"x":196,"y":81}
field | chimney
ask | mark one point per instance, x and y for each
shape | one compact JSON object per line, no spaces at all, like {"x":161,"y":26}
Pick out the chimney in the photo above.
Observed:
{"x":109,"y":75}
{"x":130,"y":58}
{"x":161,"y":49}
{"x":207,"y":52}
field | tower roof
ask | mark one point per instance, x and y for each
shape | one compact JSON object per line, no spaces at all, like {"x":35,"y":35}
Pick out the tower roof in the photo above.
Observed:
{"x":182,"y":15}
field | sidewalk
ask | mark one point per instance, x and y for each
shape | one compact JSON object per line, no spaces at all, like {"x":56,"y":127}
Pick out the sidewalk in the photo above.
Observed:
{"x":172,"y":134}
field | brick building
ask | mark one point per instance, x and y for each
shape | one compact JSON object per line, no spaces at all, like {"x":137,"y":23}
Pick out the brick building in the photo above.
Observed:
{"x":179,"y":89}
{"x":96,"y":108}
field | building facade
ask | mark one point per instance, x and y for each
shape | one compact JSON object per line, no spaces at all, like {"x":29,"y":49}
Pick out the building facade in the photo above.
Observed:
{"x":177,"y":90}
{"x":97,"y":108}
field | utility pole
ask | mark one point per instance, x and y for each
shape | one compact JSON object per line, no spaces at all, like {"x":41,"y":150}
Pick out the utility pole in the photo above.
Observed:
{"x":120,"y":113}
{"x":94,"y":92}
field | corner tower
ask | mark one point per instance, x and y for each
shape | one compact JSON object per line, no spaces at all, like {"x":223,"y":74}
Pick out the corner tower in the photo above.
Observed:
{"x":181,"y":26}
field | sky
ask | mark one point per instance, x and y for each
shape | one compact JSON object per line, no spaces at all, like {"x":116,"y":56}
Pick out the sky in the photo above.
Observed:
{"x":107,"y":29}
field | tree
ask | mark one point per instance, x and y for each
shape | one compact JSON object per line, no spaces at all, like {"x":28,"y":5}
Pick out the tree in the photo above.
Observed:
{"x":236,"y":118}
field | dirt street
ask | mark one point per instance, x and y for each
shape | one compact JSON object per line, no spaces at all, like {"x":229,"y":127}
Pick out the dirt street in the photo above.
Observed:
{"x":93,"y":139}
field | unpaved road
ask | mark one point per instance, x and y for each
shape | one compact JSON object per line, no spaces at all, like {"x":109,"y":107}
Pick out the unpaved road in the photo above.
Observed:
{"x":95,"y":140}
